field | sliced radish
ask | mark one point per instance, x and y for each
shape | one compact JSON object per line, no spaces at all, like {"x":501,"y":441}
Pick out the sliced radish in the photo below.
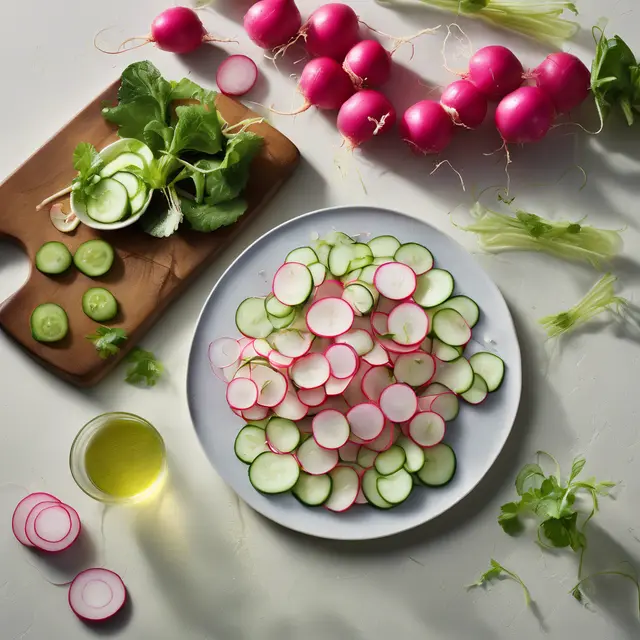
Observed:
{"x":353,"y":393}
{"x":398,"y":402}
{"x":242,"y":393}
{"x":262,"y":347}
{"x":97,"y":594}
{"x":58,"y":528}
{"x":343,"y":360}
{"x":329,"y":317}
{"x":272,"y":385}
{"x":380,"y":323}
{"x":427,"y":428}
{"x":344,"y":488}
{"x":330,"y":429}
{"x":236,"y":75}
{"x":415,"y":368}
{"x":310,"y":371}
{"x":320,"y":345}
{"x":305,"y":425}
{"x":224,"y":352}
{"x":312,"y":397}
{"x":315,"y":460}
{"x":408,"y":323}
{"x":292,"y":284}
{"x":291,"y":408}
{"x":377,"y":356}
{"x":227,"y":374}
{"x":255,"y":413}
{"x":395,"y":280}
{"x":333,"y":402}
{"x":380,"y":326}
{"x":248,"y":352}
{"x":384,"y":440}
{"x":337,"y":386}
{"x":329,"y":289}
{"x":21,"y":513}
{"x":244,"y":371}
{"x":349,"y":451}
{"x":278,"y":360}
{"x":360,"y":340}
{"x":65,"y":222}
{"x":385,"y":305}
{"x":366,"y":421}
{"x":291,"y":342}
{"x":360,"y":498}
{"x":375,"y":381}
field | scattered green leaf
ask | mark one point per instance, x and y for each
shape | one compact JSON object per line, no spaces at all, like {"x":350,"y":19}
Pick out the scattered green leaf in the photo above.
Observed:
{"x":107,"y":340}
{"x":497,"y":571}
{"x":578,"y":594}
{"x":144,"y":369}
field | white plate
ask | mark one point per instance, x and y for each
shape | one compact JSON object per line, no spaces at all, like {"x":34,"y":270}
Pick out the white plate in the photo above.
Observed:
{"x":477,"y":435}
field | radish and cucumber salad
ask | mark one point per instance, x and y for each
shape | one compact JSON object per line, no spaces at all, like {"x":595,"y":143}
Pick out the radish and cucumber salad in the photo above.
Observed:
{"x":349,"y":371}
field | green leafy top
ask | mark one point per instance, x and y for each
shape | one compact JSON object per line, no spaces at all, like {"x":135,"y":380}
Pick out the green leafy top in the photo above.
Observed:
{"x":497,"y":571}
{"x":107,"y":340}
{"x":144,"y":369}
{"x":88,"y":163}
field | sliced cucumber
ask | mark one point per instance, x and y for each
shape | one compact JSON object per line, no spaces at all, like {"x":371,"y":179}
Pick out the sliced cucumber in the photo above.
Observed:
{"x":366,"y":457}
{"x":322,"y":251}
{"x":282,"y":323}
{"x":384,"y":246}
{"x":446,"y":405}
{"x":368,"y":273}
{"x":362,"y":256}
{"x":250,"y":443}
{"x":303,"y":255}
{"x":359,"y":297}
{"x":108,"y":202}
{"x":439,"y":466}
{"x":444,"y":352}
{"x":433,"y":288}
{"x":274,"y":472}
{"x":130,"y":182}
{"x":139,"y":201}
{"x":99,"y":304}
{"x":282,"y":434}
{"x":465,"y":306}
{"x":490,"y":367}
{"x":319,"y":273}
{"x":312,"y":490}
{"x":53,"y":258}
{"x":340,"y":258}
{"x":416,"y":256}
{"x":395,"y":488}
{"x":275,"y":308}
{"x":450,"y":327}
{"x":122,"y":163}
{"x":94,"y":257}
{"x":382,"y":260}
{"x":49,"y":323}
{"x":370,"y":489}
{"x":478,"y":391}
{"x":252,"y":320}
{"x":335,"y":238}
{"x":414,"y":454}
{"x":456,"y":375}
{"x":351,"y":276}
{"x":391,"y":460}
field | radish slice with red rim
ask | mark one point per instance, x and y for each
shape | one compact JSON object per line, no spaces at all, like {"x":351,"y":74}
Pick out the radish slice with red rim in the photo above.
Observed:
{"x":291,"y":343}
{"x":97,"y":594}
{"x":65,"y":222}
{"x":337,"y":386}
{"x":360,"y":498}
{"x":224,"y":352}
{"x":344,"y":488}
{"x":21,"y":513}
{"x":385,"y":305}
{"x":315,"y":460}
{"x":349,"y":452}
{"x":262,"y":347}
{"x":360,"y":340}
{"x":380,"y":323}
{"x":329,"y":317}
{"x":255,"y":413}
{"x":377,"y":356}
{"x":47,"y":533}
{"x":408,"y":323}
{"x":366,"y":421}
{"x":375,"y":381}
{"x":415,"y":368}
{"x":310,"y":371}
{"x":249,"y":352}
{"x":291,"y":408}
{"x":427,"y":428}
{"x":384,"y":440}
{"x":292,"y":284}
{"x":272,"y":385}
{"x":329,"y":289}
{"x":312,"y":397}
{"x":343,"y":360}
{"x":236,"y":75}
{"x":395,"y":280}
{"x":242,"y":393}
{"x":330,"y":429}
{"x":278,"y":360}
{"x":398,"y":402}
{"x":333,"y":402}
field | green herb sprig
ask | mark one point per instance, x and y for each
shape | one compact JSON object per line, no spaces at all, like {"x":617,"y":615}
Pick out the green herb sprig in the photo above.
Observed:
{"x":497,"y":571}
{"x":107,"y":340}
{"x":144,"y":369}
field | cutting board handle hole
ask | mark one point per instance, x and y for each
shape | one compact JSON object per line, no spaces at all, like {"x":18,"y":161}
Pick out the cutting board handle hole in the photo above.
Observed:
{"x":14,"y":268}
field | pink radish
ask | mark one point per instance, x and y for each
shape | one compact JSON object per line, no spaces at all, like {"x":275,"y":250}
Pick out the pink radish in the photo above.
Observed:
{"x":97,"y":594}
{"x":242,"y":393}
{"x":315,"y":460}
{"x":272,"y":23}
{"x":495,"y":71}
{"x":398,"y":402}
{"x":384,"y":440}
{"x":312,"y":397}
{"x":395,"y":280}
{"x":278,"y":360}
{"x":331,"y":31}
{"x":366,"y":421}
{"x":329,"y":289}
{"x":255,"y":413}
{"x":262,"y":347}
{"x":465,"y":104}
{"x":368,"y":64}
{"x":224,"y":352}
{"x":426,"y":127}
{"x":377,"y":356}
{"x":310,"y":371}
{"x":330,"y":429}
{"x":344,"y":489}
{"x":292,"y":343}
{"x":526,"y":115}
{"x":236,"y":75}
{"x":364,"y":115}
{"x":52,"y":526}
{"x":291,"y":407}
{"x":337,"y":386}
{"x":349,"y":452}
{"x":272,"y":385}
{"x":565,"y":79}
{"x":375,"y":381}
{"x":408,"y":323}
{"x":427,"y":429}
{"x":21,"y":513}
{"x":343,"y":360}
{"x":360,"y":340}
{"x":329,"y":317}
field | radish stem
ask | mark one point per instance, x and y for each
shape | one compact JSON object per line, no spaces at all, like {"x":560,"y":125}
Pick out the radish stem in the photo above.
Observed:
{"x":53,"y":198}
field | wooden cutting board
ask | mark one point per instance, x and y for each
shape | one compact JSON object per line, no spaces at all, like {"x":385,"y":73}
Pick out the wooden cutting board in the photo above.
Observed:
{"x":148,"y":272}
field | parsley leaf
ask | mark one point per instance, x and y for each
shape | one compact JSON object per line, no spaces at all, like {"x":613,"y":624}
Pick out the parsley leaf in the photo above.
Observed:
{"x":107,"y":340}
{"x":144,"y":369}
{"x":208,"y":217}
{"x":88,"y":163}
{"x":497,"y":571}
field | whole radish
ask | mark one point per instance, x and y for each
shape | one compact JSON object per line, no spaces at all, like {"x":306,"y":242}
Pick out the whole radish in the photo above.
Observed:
{"x":465,"y":104}
{"x":495,"y":71}
{"x":368,"y":64}
{"x":272,"y":23}
{"x":426,"y":127}
{"x":365,"y":114}
{"x":331,"y":31}
{"x":526,"y":115}
{"x":565,"y":79}
{"x":323,"y":84}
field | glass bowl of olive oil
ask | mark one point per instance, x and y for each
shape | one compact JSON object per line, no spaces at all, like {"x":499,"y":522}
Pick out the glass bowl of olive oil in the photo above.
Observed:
{"x":118,"y":458}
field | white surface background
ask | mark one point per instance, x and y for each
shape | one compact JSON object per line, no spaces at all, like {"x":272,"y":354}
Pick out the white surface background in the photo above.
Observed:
{"x":199,"y":564}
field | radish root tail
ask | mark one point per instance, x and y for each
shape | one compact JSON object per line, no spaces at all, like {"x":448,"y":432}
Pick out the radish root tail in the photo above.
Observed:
{"x":460,"y":41}
{"x":439,"y":164}
{"x":53,"y":198}
{"x":379,"y":123}
{"x":399,"y":41}
{"x":122,"y":48}
{"x":209,"y":38}
{"x":302,"y":109}
{"x":278,"y":52}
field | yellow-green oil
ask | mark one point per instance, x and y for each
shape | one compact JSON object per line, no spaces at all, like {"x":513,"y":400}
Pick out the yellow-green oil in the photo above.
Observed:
{"x":125,"y":458}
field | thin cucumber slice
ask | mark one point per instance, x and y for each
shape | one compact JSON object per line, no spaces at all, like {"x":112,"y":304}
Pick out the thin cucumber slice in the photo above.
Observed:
{"x":94,"y":257}
{"x":274,"y":472}
{"x":250,"y":443}
{"x":359,"y":297}
{"x":382,"y":260}
{"x":451,"y":328}
{"x":53,"y":258}
{"x":275,"y":308}
{"x":122,"y":163}
{"x":139,"y":200}
{"x":433,"y":288}
{"x":366,"y":457}
{"x":443,"y":401}
{"x":282,"y":323}
{"x":367,"y":274}
{"x":351,"y":276}
{"x":396,"y":487}
{"x":108,"y":202}
{"x":282,"y":434}
{"x":456,"y":375}
{"x":252,"y":320}
{"x":322,"y":251}
{"x":370,"y":489}
{"x":384,"y":246}
{"x":318,"y":272}
{"x":416,"y":256}
{"x":335,"y":238}
{"x":312,"y":490}
{"x":362,"y":256}
{"x":303,"y":255}
{"x":439,"y":466}
{"x":465,"y":306}
{"x":444,"y":352}
{"x":391,"y":460}
{"x":130,"y":182}
{"x":490,"y":367}
{"x":340,"y":258}
{"x":99,"y":304}
{"x":49,"y":323}
{"x":478,"y":391}
{"x":414,"y":454}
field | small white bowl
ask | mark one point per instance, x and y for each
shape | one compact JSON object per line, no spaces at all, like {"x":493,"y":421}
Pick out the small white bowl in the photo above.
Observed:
{"x":108,"y":154}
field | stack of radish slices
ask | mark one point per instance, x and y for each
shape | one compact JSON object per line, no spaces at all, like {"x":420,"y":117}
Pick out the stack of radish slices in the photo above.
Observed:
{"x":349,"y":371}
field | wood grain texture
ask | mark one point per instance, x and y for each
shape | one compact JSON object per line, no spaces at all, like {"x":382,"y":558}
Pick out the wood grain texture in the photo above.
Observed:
{"x":148,"y":272}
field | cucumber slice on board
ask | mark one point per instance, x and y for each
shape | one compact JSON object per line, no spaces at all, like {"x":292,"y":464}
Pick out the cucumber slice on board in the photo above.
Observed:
{"x":384,"y":246}
{"x":252,"y":320}
{"x":49,"y":323}
{"x":416,"y":256}
{"x":250,"y":443}
{"x":99,"y":304}
{"x":53,"y":258}
{"x":312,"y":490}
{"x":439,"y":466}
{"x":94,"y":257}
{"x":274,"y":472}
{"x":122,"y":163}
{"x":108,"y":202}
{"x":130,"y":182}
{"x":433,"y":288}
{"x":490,"y":367}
